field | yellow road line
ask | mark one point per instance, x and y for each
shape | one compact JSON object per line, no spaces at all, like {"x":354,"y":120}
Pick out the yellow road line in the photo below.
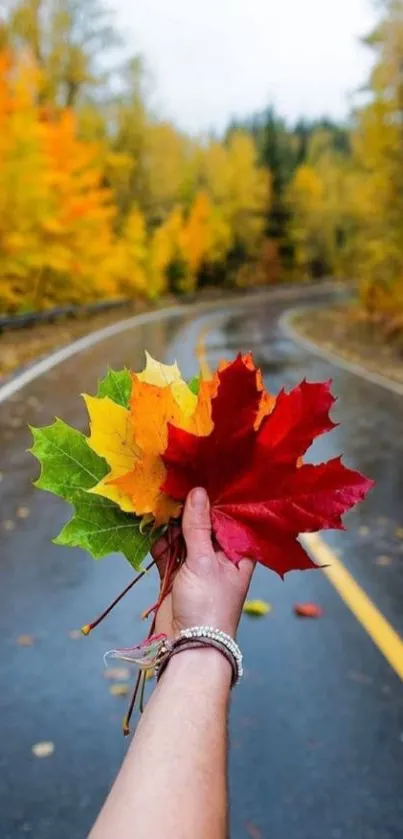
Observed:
{"x":378,"y":628}
{"x":201,"y":355}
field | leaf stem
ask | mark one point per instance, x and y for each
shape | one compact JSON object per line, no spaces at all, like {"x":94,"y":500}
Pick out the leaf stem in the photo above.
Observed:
{"x":138,"y":686}
{"x":90,"y":626}
{"x":142,"y":689}
{"x":126,"y":721}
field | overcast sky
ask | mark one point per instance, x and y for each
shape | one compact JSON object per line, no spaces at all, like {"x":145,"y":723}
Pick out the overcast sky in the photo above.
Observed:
{"x":212,"y":59}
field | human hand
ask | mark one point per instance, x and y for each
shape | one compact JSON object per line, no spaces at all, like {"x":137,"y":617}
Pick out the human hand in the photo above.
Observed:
{"x":208,"y":590}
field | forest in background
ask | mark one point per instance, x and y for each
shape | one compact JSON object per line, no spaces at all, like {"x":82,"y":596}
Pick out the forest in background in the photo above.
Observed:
{"x":100,"y":198}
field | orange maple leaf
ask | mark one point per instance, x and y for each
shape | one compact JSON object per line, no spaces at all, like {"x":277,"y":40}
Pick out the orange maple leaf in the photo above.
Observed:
{"x":152,"y":407}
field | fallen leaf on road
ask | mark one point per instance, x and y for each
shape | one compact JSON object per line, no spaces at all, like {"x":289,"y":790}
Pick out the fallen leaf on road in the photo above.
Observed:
{"x":9,"y":525}
{"x":308,"y":610}
{"x":360,"y":678}
{"x":23,"y":512}
{"x":399,"y":532}
{"x":256,"y":608}
{"x":253,"y":831}
{"x":117,"y":673}
{"x":43,"y":749}
{"x":364,"y":530}
{"x":383,"y":561}
{"x":119,"y":689}
{"x":33,"y":402}
{"x":25,"y":641}
{"x":75,"y":634}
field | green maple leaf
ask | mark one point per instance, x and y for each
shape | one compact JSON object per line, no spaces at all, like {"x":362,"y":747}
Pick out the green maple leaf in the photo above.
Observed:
{"x":69,"y":468}
{"x":117,"y":385}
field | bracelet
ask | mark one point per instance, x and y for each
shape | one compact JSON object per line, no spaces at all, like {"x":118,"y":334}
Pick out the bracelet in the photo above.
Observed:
{"x":197,"y":637}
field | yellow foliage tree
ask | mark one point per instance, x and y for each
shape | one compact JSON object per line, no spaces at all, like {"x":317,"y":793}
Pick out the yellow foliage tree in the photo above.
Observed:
{"x":306,"y":198}
{"x":238,"y":187}
{"x":378,"y":158}
{"x":55,"y":216}
{"x":129,"y":257}
{"x":25,"y":196}
{"x":80,"y":228}
{"x":102,"y":205}
{"x":320,"y":198}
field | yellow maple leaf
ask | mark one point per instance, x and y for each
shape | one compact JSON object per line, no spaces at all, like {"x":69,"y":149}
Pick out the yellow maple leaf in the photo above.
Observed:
{"x":112,"y":438}
{"x":159,"y":374}
{"x":168,"y":375}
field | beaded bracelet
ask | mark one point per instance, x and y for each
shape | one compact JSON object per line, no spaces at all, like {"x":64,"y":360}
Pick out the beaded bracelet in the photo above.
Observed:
{"x":198,"y":637}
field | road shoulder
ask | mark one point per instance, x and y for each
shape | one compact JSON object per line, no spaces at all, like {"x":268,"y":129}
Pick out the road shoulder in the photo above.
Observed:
{"x":323,"y":332}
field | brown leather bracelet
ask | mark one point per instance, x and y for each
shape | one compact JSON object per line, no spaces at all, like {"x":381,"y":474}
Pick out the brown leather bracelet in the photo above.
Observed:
{"x":183,"y":644}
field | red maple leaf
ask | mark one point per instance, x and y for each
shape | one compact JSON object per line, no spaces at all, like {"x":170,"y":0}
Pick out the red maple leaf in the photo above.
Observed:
{"x":261,"y":496}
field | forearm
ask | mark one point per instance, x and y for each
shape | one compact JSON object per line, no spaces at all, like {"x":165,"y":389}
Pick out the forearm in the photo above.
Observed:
{"x":173,"y":782}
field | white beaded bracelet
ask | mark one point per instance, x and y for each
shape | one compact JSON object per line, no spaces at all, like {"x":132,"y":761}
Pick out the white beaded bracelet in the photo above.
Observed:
{"x":202,"y":636}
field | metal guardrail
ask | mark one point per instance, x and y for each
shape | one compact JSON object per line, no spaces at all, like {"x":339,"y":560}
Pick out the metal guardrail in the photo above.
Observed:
{"x":9,"y":322}
{"x":50,"y":315}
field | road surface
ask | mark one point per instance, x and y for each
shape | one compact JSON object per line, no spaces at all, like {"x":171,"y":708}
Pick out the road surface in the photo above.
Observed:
{"x":316,"y":726}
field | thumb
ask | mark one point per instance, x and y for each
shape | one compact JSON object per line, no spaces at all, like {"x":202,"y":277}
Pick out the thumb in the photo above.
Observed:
{"x":196,"y":525}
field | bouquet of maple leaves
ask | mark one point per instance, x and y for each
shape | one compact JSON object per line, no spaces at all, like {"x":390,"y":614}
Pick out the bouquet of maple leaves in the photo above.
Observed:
{"x":154,"y":436}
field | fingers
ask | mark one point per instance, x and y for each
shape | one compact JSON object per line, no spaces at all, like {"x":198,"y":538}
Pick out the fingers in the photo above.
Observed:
{"x":196,"y":526}
{"x":245,"y":570}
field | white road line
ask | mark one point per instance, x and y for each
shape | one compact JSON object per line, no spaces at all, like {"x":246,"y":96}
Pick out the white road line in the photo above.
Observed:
{"x":290,"y":332}
{"x":84,"y":343}
{"x":39,"y":368}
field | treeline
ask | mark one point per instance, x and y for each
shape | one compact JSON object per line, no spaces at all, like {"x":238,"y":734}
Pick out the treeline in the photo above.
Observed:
{"x":337,"y":191}
{"x":98,"y":197}
{"x":101,"y":199}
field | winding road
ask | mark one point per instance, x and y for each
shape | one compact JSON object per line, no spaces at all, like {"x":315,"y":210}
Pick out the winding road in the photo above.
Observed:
{"x":317,"y":725}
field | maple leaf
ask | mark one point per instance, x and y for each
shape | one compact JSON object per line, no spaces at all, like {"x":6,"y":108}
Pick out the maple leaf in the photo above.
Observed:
{"x":308,"y":610}
{"x":69,"y":468}
{"x":112,"y":437}
{"x":261,"y":496}
{"x":117,"y":385}
{"x":159,"y":397}
{"x":256,"y":608}
{"x":267,"y":401}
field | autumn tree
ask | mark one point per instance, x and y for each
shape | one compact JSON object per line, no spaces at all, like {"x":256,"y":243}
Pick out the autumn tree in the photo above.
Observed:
{"x":378,"y":157}
{"x":25,"y":200}
{"x":56,"y":233}
{"x":238,"y":187}
{"x":306,"y":201}
{"x":67,"y":39}
{"x":321,"y":214}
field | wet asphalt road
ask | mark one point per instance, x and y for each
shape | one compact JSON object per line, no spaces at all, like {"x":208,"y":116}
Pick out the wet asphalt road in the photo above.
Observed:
{"x":317,"y":724}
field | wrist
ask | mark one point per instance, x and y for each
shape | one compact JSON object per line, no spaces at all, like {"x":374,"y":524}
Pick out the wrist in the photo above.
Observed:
{"x":227,"y":626}
{"x":206,"y":667}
